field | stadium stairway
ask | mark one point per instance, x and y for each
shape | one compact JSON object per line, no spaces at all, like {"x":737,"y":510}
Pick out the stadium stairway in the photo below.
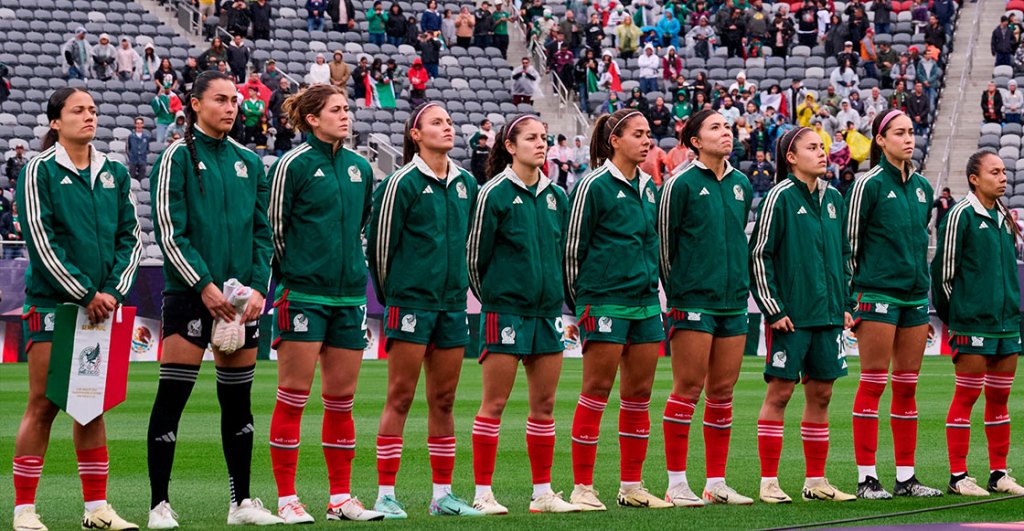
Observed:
{"x":169,"y":17}
{"x":963,"y":138}
{"x":548,"y":107}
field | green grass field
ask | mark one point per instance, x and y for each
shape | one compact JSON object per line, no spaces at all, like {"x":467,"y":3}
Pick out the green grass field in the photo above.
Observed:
{"x":199,"y":486}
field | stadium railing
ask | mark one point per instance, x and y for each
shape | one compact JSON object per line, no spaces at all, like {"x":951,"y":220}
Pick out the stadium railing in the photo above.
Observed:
{"x":954,"y":119}
{"x":580,"y":123}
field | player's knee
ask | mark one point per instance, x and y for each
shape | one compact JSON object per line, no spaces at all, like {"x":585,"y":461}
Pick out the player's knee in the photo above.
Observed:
{"x":400,"y":402}
{"x":778,"y":396}
{"x":493,"y":408}
{"x":821,"y":397}
{"x":720,"y":392}
{"x":441,"y":402}
{"x":41,"y":411}
{"x":542,"y":407}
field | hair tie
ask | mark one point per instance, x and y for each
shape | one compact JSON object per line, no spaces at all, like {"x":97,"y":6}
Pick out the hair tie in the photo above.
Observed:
{"x":416,"y":119}
{"x":888,"y":117}
{"x":618,"y":123}
{"x":508,"y":127}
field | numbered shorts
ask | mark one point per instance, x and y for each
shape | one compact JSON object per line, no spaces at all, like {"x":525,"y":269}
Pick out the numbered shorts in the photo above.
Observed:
{"x":504,"y":333}
{"x":423,"y":327}
{"x":334,"y":326}
{"x":807,"y":353}
{"x":986,"y":346}
{"x":902,"y":316}
{"x":37,"y":326}
{"x":716,"y":325}
{"x":621,"y":331}
{"x":187,"y":316}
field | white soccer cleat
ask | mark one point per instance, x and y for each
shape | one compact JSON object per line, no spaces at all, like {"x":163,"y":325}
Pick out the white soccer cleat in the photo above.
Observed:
{"x":104,"y":517}
{"x":638,"y":496}
{"x":967,"y":486}
{"x":1006,"y":484}
{"x":771,"y":492}
{"x":585,"y":497}
{"x":252,"y":512}
{"x":27,"y":520}
{"x":681,"y":496}
{"x":486,"y":504}
{"x":725,"y":495}
{"x":821,"y":489}
{"x":352,"y":509}
{"x":552,"y":502}
{"x":162,"y":517}
{"x":294,"y":512}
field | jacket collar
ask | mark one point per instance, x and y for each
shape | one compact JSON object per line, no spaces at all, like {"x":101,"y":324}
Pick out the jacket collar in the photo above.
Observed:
{"x":96,"y":161}
{"x":511,"y":175}
{"x":614,"y":170}
{"x":982,"y":211}
{"x":323,"y":147}
{"x":728,"y":167}
{"x":206,"y":139}
{"x":421,"y":165}
{"x":894,"y":171}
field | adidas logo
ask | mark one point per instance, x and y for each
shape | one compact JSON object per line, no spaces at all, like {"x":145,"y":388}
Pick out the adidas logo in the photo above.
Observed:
{"x":167,"y":437}
{"x":517,"y":201}
{"x":427,"y":190}
{"x":983,"y":225}
{"x":202,"y":166}
{"x":704,"y":191}
{"x":802,"y":210}
{"x":892,"y":195}
{"x":65,"y":180}
{"x":621,"y":195}
{"x":319,"y":173}
{"x":246,"y":430}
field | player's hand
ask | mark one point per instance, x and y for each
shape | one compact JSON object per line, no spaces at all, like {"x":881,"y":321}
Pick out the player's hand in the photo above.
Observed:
{"x":931,"y":332}
{"x":847,"y":321}
{"x":783,"y":325}
{"x":216,"y":304}
{"x":254,"y":308}
{"x":100,"y":306}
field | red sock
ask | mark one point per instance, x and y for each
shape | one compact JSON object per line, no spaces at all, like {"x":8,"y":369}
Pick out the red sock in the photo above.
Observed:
{"x":389,"y":458}
{"x":997,"y":417}
{"x":903,"y":416}
{"x":540,"y":446}
{"x":442,"y":458}
{"x":285,"y":429}
{"x":485,"y":448}
{"x":676,"y":423}
{"x":93,"y":467}
{"x":865,"y":416}
{"x":634,"y":431}
{"x":26,"y":470}
{"x":586,"y":430}
{"x":769,"y":446}
{"x":338,"y":436}
{"x":958,"y":420}
{"x":717,"y":431}
{"x":815,"y":438}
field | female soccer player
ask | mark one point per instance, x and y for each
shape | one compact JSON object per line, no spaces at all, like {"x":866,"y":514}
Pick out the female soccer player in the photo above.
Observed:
{"x":320,"y":199}
{"x":887,"y":212}
{"x":210,"y":198}
{"x":514,"y":256}
{"x":613,"y":216}
{"x":706,"y":208}
{"x":89,"y":261}
{"x":977,"y":295}
{"x":798,"y":269}
{"x":416,"y":242}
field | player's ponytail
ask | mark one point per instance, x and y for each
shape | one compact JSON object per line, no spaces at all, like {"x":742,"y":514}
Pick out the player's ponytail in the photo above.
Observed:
{"x":54,"y":106}
{"x":499,"y":157}
{"x":606,"y":126}
{"x":306,"y":102}
{"x":199,"y":88}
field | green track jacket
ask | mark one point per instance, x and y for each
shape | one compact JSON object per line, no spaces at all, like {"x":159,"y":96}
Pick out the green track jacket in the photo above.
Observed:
{"x":887,"y":227}
{"x":702,"y":223}
{"x":81,"y":233}
{"x":974,"y":273}
{"x":416,"y":238}
{"x":799,"y":255}
{"x":217,"y":232}
{"x":611,"y":248}
{"x":319,"y":202}
{"x":516,"y":245}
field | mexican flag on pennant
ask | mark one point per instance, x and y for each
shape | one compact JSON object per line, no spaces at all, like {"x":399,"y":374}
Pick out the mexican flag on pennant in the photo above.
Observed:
{"x":89,"y":362}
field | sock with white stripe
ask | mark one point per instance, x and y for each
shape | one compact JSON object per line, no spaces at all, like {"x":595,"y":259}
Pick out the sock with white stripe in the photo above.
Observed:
{"x":540,"y":446}
{"x":676,"y":424}
{"x":442,"y":463}
{"x":389,"y":459}
{"x":234,"y":391}
{"x":997,"y":417}
{"x":717,"y":433}
{"x":903,"y":418}
{"x":172,"y":392}
{"x":815,"y":438}
{"x":865,"y":420}
{"x":339,"y":443}
{"x":285,"y":430}
{"x":958,"y":420}
{"x":26,"y":470}
{"x":586,"y":431}
{"x":769,"y":446}
{"x":634,"y":431}
{"x":93,"y":469}
{"x":485,"y":451}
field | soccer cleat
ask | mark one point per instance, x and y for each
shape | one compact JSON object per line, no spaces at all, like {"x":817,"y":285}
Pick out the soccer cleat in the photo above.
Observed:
{"x":638,"y":496}
{"x":104,"y":517}
{"x":914,"y":488}
{"x":821,"y":489}
{"x":452,"y":505}
{"x":294,"y":512}
{"x":771,"y":492}
{"x":27,"y":520}
{"x":871,"y":489}
{"x":724,"y":494}
{"x":486,"y":504}
{"x":162,"y":517}
{"x":1000,"y":481}
{"x":552,"y":502}
{"x":252,"y":512}
{"x":391,"y":508}
{"x":681,"y":496}
{"x":353,"y":510}
{"x":965,"y":485}
{"x":585,"y":497}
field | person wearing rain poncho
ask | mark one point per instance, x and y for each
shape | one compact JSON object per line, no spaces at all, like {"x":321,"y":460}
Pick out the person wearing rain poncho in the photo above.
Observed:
{"x":103,"y":56}
{"x":649,"y":63}
{"x":609,"y":79}
{"x":806,"y":110}
{"x":580,"y":160}
{"x":77,"y":54}
{"x":669,"y":28}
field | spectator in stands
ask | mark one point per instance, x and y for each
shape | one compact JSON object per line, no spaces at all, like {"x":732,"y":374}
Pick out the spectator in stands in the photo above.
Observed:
{"x":165,"y":105}
{"x":741,"y":85}
{"x":77,"y":54}
{"x":189,"y":73}
{"x":340,"y":72}
{"x":928,"y":74}
{"x":869,"y":54}
{"x":839,"y":152}
{"x":919,"y":109}
{"x":677,"y":158}
{"x":560,"y":161}
{"x":464,"y":24}
{"x":572,"y":31}
{"x":207,"y":8}
{"x":165,"y":73}
{"x":660,"y":118}
{"x":483,"y":29}
{"x":1003,"y":43}
{"x":903,"y":71}
{"x":209,"y":59}
{"x":594,"y":33}
{"x":486,"y":130}
{"x":762,"y":174}
{"x":238,"y":58}
{"x":412,"y":31}
{"x":359,"y":78}
{"x":447,"y":29}
{"x":831,"y":99}
{"x":628,"y":36}
{"x":729,"y":111}
{"x":942,"y":204}
{"x":126,"y":60}
{"x":430,"y":20}
{"x":236,"y":18}
{"x":844,"y":78}
{"x":178,"y":127}
{"x":260,"y":12}
{"x":281,"y":93}
{"x":848,"y":53}
{"x":343,"y":14}
{"x":935,"y":33}
{"x":585,"y":76}
{"x":284,"y":134}
{"x":671,"y":67}
{"x":376,"y":20}
{"x":887,"y":59}
{"x":396,"y":27}
{"x":14,"y":164}
{"x":1013,"y":102}
{"x":807,"y":24}
{"x":613,"y":104}
{"x":137,"y":148}
{"x":668,"y":28}
{"x":580,"y":159}
{"x":780,"y":34}
{"x":319,"y":71}
{"x":649,"y":64}
{"x":847,"y":115}
{"x":898,"y":98}
{"x":883,"y":15}
{"x":103,"y":57}
{"x":501,"y":19}
{"x":315,"y":11}
{"x":652,"y":164}
{"x":149,"y":64}
{"x":430,"y":52}
{"x":478,"y":160}
{"x":271,"y":75}
{"x":637,"y":101}
{"x":702,"y":38}
{"x":875,"y":103}
{"x":919,"y":15}
{"x":732,"y":31}
{"x":524,"y":79}
{"x":253,"y":110}
{"x":562,"y":61}
{"x":418,"y":77}
{"x":806,"y":110}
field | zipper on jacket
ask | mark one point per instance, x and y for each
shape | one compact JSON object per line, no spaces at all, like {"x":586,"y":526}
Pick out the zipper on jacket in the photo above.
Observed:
{"x":447,"y":245}
{"x":539,"y":267}
{"x":725,"y":231}
{"x":341,"y":202}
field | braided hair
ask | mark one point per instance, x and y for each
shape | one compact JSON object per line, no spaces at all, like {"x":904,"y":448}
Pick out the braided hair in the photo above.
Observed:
{"x":199,"y":87}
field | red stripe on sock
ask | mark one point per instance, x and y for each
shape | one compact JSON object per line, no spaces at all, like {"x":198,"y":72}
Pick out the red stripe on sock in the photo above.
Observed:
{"x":997,"y":417}
{"x":442,"y":458}
{"x":717,"y":433}
{"x":93,"y":470}
{"x":285,"y":430}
